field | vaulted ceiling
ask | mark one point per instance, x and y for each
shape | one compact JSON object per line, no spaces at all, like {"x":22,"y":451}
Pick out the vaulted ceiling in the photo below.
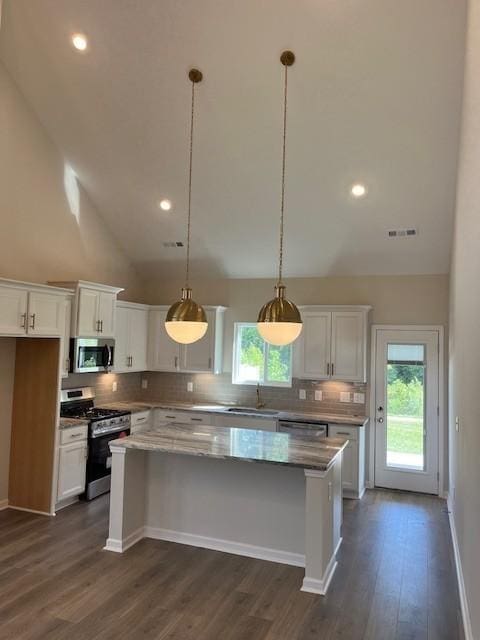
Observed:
{"x":374,"y":97}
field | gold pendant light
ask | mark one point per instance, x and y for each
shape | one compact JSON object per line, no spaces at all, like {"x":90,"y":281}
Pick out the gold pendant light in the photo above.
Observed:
{"x":279,"y":321}
{"x":186,"y":321}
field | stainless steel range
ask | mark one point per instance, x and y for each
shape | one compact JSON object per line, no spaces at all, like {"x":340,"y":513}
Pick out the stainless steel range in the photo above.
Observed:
{"x":104,"y":425}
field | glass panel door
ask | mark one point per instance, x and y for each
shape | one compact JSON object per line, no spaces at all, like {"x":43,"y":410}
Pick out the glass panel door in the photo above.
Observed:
{"x":405,"y":406}
{"x":405,"y":419}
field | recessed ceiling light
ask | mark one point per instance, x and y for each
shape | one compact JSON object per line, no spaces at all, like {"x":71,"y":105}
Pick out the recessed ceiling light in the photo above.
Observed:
{"x":166,"y":205}
{"x":79,"y":41}
{"x":358,"y":190}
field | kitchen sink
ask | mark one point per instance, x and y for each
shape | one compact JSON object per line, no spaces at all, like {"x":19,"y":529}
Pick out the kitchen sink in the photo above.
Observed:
{"x":253,"y":411}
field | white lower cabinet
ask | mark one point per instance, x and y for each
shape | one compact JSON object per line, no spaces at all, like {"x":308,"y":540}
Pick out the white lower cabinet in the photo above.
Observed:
{"x":353,"y":464}
{"x":71,"y":469}
{"x":140,"y":421}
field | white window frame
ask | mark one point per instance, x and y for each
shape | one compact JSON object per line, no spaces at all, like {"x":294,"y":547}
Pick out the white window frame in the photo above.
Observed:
{"x":236,"y":361}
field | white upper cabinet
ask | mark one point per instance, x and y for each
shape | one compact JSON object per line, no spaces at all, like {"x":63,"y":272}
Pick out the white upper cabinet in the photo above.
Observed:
{"x":33,"y":310}
{"x":46,"y":314}
{"x":163,"y":352}
{"x":13,"y":311}
{"x":348,"y":346}
{"x":333,"y":344}
{"x":314,"y":345}
{"x":205,"y":355}
{"x":94,"y":309}
{"x":131,"y":335}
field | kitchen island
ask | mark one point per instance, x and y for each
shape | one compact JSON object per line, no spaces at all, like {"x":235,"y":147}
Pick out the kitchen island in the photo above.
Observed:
{"x":266,"y":495}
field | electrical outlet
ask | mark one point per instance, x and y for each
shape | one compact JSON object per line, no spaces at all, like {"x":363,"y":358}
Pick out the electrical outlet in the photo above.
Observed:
{"x":457,"y":424}
{"x":190,"y":387}
{"x":345,"y":396}
{"x":318,"y":395}
{"x":302,"y":394}
{"x":359,"y":398}
{"x":144,"y":383}
{"x":114,"y":385}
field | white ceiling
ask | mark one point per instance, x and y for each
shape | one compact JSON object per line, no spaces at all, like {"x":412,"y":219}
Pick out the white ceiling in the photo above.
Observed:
{"x":375,"y":96}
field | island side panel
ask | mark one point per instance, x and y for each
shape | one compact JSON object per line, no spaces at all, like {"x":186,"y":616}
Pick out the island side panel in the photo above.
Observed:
{"x":322,"y":526}
{"x":127,"y":498}
{"x":249,"y":508}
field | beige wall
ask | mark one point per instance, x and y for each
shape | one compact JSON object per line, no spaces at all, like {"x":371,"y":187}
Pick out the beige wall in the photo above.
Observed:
{"x":7,"y":370}
{"x":465,"y":335}
{"x":42,"y":236}
{"x":395,"y":299}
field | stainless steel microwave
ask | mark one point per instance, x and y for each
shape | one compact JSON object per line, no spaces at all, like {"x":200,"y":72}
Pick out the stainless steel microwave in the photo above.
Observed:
{"x":88,"y":355}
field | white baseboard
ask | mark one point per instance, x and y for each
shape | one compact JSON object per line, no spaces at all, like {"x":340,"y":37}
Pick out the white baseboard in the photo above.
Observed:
{"x":119,"y":546}
{"x":38,"y":513}
{"x":227,"y":546}
{"x":467,"y":625}
{"x":3,"y":504}
{"x":369,"y":484}
{"x":312,"y":585}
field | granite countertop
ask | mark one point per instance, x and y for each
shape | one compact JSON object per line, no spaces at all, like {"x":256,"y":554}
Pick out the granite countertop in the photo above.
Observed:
{"x":68,"y":423}
{"x":247,"y":445}
{"x":136,"y":407}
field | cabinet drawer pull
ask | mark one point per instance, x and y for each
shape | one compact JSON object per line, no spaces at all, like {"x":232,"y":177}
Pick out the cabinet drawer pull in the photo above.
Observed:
{"x":343,"y":433}
{"x":171,"y":417}
{"x":141,"y":419}
{"x":196,"y":419}
{"x":76,"y":435}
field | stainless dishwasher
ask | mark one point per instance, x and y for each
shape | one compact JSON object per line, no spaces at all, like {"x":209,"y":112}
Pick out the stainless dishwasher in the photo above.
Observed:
{"x":300,"y":428}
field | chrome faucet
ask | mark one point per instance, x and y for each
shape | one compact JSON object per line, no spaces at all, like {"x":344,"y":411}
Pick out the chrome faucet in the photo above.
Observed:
{"x":260,"y":404}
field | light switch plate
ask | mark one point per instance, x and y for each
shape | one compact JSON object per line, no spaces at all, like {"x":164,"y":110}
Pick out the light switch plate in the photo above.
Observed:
{"x":345,"y":396}
{"x":144,"y":383}
{"x":302,"y":394}
{"x":189,"y":387}
{"x":318,"y":395}
{"x":359,"y":398}
{"x":114,"y":385}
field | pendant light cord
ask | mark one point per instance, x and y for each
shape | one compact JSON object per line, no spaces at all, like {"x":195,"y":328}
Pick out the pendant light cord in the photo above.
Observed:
{"x":282,"y":205}
{"x":187,"y":273}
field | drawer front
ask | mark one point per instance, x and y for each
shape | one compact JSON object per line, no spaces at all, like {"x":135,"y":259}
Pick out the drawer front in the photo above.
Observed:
{"x":343,"y":431}
{"x":140,"y":419}
{"x":73,"y":434}
{"x":185,"y":417}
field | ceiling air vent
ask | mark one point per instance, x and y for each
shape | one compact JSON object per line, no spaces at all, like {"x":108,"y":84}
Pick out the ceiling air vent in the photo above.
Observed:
{"x":402,"y":233}
{"x":169,"y":245}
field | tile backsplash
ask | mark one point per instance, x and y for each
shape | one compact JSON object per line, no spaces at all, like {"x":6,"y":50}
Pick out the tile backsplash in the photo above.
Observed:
{"x":219,"y":388}
{"x":172,"y":387}
{"x":128,"y":385}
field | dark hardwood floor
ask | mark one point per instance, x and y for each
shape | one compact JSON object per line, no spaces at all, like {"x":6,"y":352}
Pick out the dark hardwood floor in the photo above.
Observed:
{"x":395,"y":580}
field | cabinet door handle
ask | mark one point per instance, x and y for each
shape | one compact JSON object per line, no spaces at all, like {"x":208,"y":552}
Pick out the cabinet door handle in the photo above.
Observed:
{"x":343,"y":433}
{"x":67,"y":364}
{"x":332,"y":369}
{"x":101,"y":326}
{"x":210,"y":363}
{"x":97,"y":326}
{"x":176,"y":362}
{"x":141,"y":419}
{"x":32,"y":326}
{"x":76,"y":435}
{"x":24,"y":321}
